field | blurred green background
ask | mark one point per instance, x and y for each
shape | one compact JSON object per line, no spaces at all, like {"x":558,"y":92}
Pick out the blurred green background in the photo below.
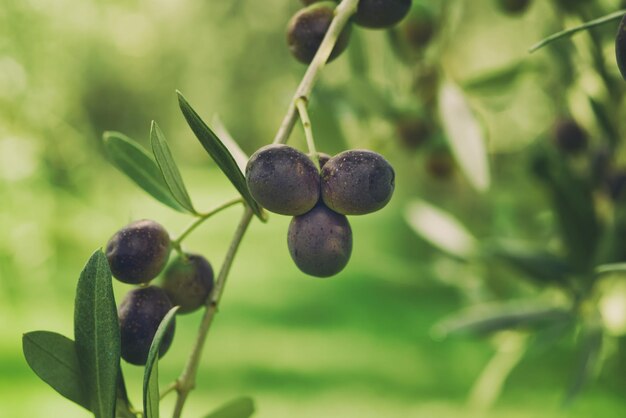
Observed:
{"x":355,"y":345}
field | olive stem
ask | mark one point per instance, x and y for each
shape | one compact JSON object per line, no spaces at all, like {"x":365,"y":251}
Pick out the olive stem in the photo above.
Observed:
{"x":203,"y":217}
{"x":186,"y":382}
{"x":592,"y":23}
{"x":343,"y":12}
{"x":170,"y":388}
{"x":187,"y":379}
{"x":301,"y":104}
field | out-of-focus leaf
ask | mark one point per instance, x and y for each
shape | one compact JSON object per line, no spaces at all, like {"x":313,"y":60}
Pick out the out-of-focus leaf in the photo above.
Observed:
{"x":538,"y":265}
{"x":611,"y":268}
{"x":229,"y":142}
{"x":590,"y":345}
{"x":168,"y":167}
{"x":53,"y":358}
{"x":151,"y":373}
{"x":97,"y":334}
{"x":134,"y":161}
{"x":496,"y":81}
{"x":440,"y":229}
{"x":220,"y":154}
{"x":238,"y":408}
{"x":489,"y":318}
{"x":601,"y":113}
{"x":465,"y":135}
{"x":572,"y":200}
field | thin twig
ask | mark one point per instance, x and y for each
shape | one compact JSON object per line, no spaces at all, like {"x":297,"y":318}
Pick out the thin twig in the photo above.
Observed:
{"x":592,"y":23}
{"x":308,"y":130}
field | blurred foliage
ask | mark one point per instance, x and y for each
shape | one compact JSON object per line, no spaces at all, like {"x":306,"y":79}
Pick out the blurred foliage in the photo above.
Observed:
{"x":357,"y":345}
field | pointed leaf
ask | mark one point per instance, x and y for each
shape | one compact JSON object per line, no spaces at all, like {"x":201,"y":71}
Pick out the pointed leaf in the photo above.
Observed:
{"x":168,"y":168}
{"x":237,"y":408}
{"x":496,"y":81}
{"x":216,"y":149}
{"x":151,"y":374}
{"x":134,"y":161}
{"x":588,"y":359}
{"x":489,"y":318}
{"x":97,"y":335}
{"x":53,"y":358}
{"x":464,"y":135}
{"x":441,"y":229}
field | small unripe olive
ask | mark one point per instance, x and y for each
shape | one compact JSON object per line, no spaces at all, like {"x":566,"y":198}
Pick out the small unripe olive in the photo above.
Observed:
{"x":283,"y":180}
{"x":413,"y":131}
{"x":138,"y":252}
{"x":418,"y":28}
{"x":378,"y":14}
{"x":357,"y":182}
{"x":320,"y":241}
{"x":620,"y":47}
{"x":569,"y":136}
{"x":188,"y":282}
{"x":440,"y":164}
{"x":140,"y":314}
{"x":307,"y":29}
{"x":514,"y":6}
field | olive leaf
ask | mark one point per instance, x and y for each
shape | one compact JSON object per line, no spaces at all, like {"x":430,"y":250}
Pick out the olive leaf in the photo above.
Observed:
{"x":97,"y":335}
{"x":134,"y":161}
{"x":220,"y":154}
{"x":498,"y":80}
{"x":53,"y":358}
{"x":237,"y":408}
{"x":465,"y":135}
{"x":123,"y":406}
{"x":441,"y":229}
{"x":151,"y":372}
{"x":589,"y":356}
{"x":493,"y":317}
{"x":168,"y":167}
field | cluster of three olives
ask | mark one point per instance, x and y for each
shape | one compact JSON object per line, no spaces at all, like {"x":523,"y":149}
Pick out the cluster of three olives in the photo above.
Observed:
{"x":137,"y":254}
{"x":286,"y":181}
{"x":307,"y":27}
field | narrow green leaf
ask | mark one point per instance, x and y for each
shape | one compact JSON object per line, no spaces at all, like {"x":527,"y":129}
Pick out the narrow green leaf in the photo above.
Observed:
{"x":588,"y":360}
{"x":134,"y":161}
{"x":465,"y":136}
{"x":237,"y":408}
{"x":53,"y":358}
{"x":151,"y":373}
{"x":441,"y":229}
{"x":538,"y":265}
{"x":220,"y":154}
{"x":498,"y":80}
{"x":610,"y":268}
{"x":97,"y":335}
{"x":168,"y":167}
{"x":489,"y":318}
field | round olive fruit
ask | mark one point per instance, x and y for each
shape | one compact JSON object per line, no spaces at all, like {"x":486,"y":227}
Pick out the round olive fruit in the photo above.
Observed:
{"x":413,"y":131}
{"x":357,"y":182}
{"x":283,"y":179}
{"x":188,"y":282}
{"x":320,"y":241}
{"x":569,"y":137}
{"x":307,"y":29}
{"x":378,"y":14}
{"x":418,"y":28}
{"x":138,"y":252}
{"x":440,"y":164}
{"x":620,"y":47}
{"x":514,"y":6}
{"x":140,"y":314}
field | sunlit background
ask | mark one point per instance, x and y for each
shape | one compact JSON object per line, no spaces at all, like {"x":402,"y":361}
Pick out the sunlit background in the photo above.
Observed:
{"x":360,"y":344}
